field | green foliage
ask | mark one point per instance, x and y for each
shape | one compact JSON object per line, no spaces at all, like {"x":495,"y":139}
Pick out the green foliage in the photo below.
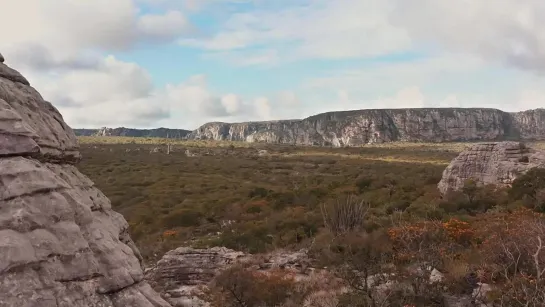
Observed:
{"x":229,"y":195}
{"x":529,"y":188}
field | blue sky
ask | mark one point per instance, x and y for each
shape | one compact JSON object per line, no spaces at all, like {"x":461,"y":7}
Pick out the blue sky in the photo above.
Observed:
{"x":181,"y":63}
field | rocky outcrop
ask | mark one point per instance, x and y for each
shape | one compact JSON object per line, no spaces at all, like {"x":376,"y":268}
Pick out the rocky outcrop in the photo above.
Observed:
{"x":129,"y":132}
{"x":490,"y":163}
{"x":351,"y":128}
{"x":183,"y":275}
{"x":60,"y":242}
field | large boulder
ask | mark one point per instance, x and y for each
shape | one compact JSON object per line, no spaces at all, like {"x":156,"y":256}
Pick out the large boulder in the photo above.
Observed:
{"x":61,"y":244}
{"x":497,"y":163}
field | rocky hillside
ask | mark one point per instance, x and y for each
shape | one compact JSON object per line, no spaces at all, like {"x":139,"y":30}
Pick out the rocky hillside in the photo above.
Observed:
{"x":386,"y":125}
{"x":61,"y":244}
{"x":122,"y":131}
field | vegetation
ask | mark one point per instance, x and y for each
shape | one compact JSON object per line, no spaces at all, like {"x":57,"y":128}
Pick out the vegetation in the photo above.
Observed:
{"x":372,"y":215}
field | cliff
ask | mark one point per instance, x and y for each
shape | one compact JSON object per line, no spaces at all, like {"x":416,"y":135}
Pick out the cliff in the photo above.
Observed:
{"x":61,"y":244}
{"x":358,"y":127}
{"x":122,"y":131}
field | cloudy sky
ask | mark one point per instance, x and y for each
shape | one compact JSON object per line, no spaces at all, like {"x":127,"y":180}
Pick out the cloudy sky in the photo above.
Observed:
{"x":181,"y":63}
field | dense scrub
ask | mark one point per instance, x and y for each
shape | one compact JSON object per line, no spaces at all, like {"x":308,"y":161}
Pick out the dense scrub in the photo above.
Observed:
{"x":234,"y":197}
{"x":243,"y":199}
{"x":364,"y":213}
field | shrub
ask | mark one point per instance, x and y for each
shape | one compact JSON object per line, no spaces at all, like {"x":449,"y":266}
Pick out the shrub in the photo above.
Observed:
{"x":344,"y":216}
{"x":241,"y":287}
{"x":182,"y":218}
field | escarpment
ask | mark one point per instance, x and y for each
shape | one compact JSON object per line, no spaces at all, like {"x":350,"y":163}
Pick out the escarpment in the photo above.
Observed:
{"x":359,"y":127}
{"x":61,"y":244}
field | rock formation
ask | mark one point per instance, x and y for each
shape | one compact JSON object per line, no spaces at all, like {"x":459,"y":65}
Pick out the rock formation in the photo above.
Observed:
{"x":490,"y":163}
{"x":359,"y":127}
{"x":182,"y":276}
{"x":182,"y":273}
{"x":61,"y":245}
{"x":350,"y":128}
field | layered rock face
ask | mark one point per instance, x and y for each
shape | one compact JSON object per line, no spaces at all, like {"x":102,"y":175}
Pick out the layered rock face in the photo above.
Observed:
{"x":183,"y":275}
{"x":352,"y":128}
{"x":60,"y":242}
{"x":490,"y":163}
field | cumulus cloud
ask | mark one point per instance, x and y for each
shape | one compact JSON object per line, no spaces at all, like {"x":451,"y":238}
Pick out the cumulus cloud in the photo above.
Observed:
{"x":69,"y":33}
{"x":117,"y":93}
{"x":321,"y":29}
{"x":510,"y":31}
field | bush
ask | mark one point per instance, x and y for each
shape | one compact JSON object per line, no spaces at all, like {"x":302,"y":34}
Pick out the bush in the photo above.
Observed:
{"x":344,"y":216}
{"x":182,"y":218}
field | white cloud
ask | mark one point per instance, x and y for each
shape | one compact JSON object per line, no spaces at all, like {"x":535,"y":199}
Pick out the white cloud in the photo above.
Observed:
{"x":166,"y":27}
{"x":263,"y":108}
{"x":508,"y":31}
{"x":68,"y":33}
{"x":320,"y":29}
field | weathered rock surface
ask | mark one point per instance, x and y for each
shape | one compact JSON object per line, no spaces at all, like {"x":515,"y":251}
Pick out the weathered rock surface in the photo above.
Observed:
{"x":60,"y":242}
{"x":497,"y":163}
{"x":184,"y":274}
{"x":349,"y":128}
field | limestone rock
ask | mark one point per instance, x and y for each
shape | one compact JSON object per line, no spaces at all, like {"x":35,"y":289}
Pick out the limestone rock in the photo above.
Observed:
{"x":60,"y":242}
{"x":360,"y":127}
{"x":181,"y":273}
{"x":184,"y":274}
{"x":497,"y":163}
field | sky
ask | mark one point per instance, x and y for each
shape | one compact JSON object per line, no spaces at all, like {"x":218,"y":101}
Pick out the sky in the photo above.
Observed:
{"x":182,"y":63}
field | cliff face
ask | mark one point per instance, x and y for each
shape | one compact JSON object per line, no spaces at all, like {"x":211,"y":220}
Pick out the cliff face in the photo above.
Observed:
{"x":122,"y":131}
{"x":350,"y":128}
{"x":61,"y":244}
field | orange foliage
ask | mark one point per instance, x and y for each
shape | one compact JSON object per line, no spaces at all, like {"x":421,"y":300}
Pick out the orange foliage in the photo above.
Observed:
{"x":459,"y":231}
{"x":169,"y":233}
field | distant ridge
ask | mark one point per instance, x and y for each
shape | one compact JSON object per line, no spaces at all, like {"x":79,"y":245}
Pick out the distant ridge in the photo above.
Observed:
{"x":130,"y":132}
{"x":358,"y":127}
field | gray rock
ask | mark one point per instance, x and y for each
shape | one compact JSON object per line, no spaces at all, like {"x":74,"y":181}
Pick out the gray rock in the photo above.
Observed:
{"x":497,"y":163}
{"x":60,"y":242}
{"x":359,"y":127}
{"x":181,"y":273}
{"x":1,"y":58}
